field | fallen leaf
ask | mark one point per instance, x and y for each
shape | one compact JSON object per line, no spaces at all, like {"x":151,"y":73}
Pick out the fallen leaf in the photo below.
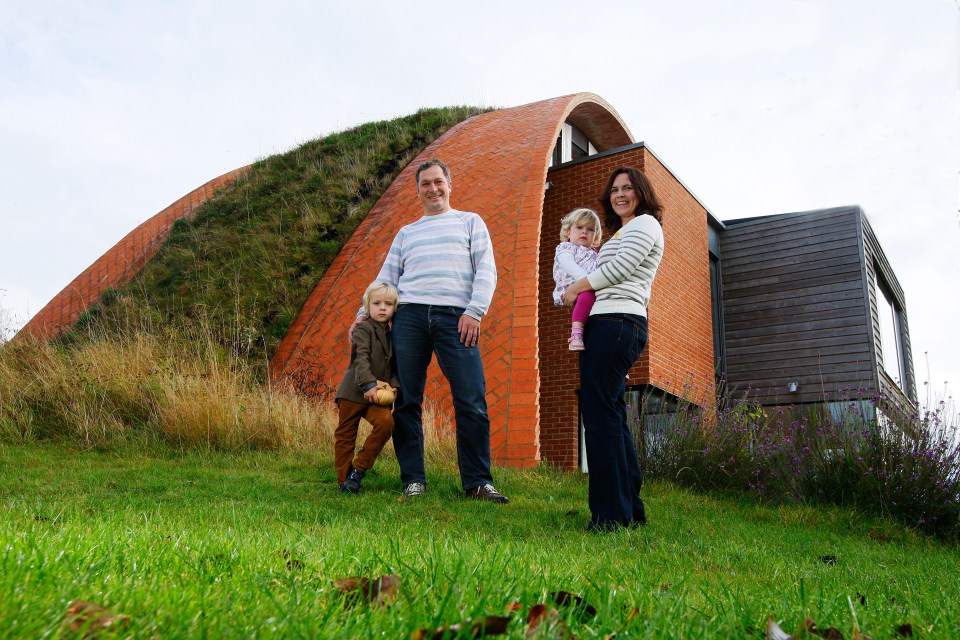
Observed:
{"x":92,"y":619}
{"x":381,"y":591}
{"x":479,"y":628}
{"x":536,"y":616}
{"x":774,"y":632}
{"x":565,"y":598}
{"x":905,"y":630}
{"x":554,"y":627}
{"x":830,"y":633}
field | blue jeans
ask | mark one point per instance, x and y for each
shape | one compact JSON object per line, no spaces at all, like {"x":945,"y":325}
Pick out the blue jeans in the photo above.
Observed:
{"x":419,"y":331}
{"x":613,"y":343}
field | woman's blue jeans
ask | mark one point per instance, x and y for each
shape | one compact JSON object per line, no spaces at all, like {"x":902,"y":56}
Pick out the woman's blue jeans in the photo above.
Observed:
{"x":419,"y":331}
{"x":613,"y":343}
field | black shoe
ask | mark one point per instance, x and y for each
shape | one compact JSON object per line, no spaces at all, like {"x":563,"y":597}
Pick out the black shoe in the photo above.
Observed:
{"x":354,"y":480}
{"x":487,"y":492}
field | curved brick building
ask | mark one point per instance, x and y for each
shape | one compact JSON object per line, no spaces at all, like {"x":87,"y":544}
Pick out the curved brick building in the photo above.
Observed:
{"x":503,"y":163}
{"x":803,"y":299}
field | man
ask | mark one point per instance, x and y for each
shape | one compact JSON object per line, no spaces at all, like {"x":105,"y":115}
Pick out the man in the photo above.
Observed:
{"x":444,"y":269}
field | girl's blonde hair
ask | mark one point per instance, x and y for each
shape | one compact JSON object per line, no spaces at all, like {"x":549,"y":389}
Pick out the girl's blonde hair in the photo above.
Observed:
{"x":376,"y":287}
{"x":577,"y":216}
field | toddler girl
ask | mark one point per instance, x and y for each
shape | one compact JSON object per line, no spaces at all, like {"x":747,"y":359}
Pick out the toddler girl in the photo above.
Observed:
{"x":576,"y":257}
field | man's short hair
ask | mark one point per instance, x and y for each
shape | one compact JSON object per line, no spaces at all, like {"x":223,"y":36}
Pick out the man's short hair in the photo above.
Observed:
{"x":434,"y":163}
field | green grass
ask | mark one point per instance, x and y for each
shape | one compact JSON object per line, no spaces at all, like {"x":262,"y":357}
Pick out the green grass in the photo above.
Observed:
{"x":192,"y":545}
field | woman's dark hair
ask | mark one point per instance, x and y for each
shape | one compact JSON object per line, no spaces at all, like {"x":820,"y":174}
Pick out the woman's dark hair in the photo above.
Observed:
{"x":647,"y":201}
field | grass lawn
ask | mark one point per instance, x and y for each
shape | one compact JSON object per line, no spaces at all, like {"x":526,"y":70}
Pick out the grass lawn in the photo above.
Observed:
{"x":249,"y":545}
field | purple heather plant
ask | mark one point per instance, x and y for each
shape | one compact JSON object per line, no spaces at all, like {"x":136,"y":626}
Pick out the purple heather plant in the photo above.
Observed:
{"x":870,"y":454}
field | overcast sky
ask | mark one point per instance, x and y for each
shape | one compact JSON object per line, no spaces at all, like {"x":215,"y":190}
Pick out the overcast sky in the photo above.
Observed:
{"x":110,"y":111}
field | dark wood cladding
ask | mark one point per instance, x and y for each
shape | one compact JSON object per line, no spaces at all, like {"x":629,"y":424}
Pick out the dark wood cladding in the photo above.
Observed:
{"x":797,"y":307}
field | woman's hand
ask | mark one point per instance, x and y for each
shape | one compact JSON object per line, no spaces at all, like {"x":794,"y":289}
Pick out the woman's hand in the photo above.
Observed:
{"x":575,"y":289}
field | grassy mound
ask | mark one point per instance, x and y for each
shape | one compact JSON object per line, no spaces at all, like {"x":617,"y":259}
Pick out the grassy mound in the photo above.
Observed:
{"x":244,"y":265}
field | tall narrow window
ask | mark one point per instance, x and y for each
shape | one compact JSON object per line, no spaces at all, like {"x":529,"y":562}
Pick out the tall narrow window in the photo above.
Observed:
{"x":891,"y":334}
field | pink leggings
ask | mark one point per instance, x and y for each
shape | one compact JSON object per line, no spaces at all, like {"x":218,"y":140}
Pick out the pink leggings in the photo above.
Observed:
{"x":581,"y":308}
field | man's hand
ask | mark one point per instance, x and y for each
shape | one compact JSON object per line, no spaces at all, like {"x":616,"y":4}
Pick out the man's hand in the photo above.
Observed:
{"x":469,"y":328}
{"x":353,"y":326}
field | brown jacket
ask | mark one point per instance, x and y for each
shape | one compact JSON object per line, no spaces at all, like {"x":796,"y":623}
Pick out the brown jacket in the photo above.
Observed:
{"x":371,"y":359}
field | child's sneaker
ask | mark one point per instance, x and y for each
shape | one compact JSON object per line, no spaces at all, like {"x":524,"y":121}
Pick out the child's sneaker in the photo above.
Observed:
{"x":354,"y":479}
{"x":576,"y":342}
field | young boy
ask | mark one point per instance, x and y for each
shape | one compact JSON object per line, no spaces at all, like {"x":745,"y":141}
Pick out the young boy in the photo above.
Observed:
{"x":371,"y":360}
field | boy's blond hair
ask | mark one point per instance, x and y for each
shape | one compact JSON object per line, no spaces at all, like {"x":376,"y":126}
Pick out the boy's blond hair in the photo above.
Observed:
{"x":579,"y":215}
{"x":376,"y":287}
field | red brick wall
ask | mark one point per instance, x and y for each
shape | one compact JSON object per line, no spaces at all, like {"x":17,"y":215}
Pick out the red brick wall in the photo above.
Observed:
{"x":681,"y":318}
{"x":499,"y":165}
{"x":680,"y":347}
{"x":119,"y":265}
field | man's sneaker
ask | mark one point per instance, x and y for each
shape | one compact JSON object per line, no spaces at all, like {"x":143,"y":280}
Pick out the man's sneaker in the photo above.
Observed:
{"x":576,"y":342}
{"x":354,"y":479}
{"x":414,"y":490}
{"x":488,"y":493}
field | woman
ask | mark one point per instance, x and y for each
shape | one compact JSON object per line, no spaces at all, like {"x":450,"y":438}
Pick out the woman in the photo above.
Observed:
{"x":615,"y":336}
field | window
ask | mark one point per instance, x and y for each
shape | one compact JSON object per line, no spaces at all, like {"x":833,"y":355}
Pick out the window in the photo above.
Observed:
{"x":890,"y":351}
{"x":716,"y":301}
{"x":572,"y":144}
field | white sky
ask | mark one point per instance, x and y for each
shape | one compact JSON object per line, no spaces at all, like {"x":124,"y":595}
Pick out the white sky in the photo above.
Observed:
{"x":110,"y":111}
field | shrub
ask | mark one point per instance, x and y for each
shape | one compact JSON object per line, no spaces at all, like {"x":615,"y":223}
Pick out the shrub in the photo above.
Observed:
{"x":869,"y":454}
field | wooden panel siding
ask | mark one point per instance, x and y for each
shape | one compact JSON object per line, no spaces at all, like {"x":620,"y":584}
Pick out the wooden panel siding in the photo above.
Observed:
{"x":839,"y":309}
{"x":781,"y":251}
{"x":853,"y":291}
{"x":795,"y":307}
{"x":812,"y":231}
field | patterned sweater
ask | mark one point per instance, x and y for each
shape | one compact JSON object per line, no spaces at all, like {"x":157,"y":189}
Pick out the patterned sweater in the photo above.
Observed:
{"x":444,"y":259}
{"x":570,"y":263}
{"x":627,"y":266}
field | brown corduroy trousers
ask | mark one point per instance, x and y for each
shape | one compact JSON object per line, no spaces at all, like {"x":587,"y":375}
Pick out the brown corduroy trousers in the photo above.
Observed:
{"x":345,"y":437}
